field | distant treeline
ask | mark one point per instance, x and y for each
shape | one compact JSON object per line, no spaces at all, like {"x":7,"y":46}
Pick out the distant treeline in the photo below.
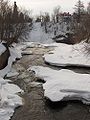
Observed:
{"x":79,"y":20}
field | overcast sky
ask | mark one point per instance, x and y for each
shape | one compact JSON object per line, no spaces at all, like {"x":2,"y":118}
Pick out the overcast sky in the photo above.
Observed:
{"x":47,"y":5}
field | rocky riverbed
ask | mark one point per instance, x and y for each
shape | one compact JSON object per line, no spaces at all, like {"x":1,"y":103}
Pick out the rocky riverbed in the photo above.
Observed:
{"x":36,"y":107}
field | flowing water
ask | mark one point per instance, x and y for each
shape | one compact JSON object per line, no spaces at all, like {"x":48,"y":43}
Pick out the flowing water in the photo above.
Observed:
{"x":36,"y":107}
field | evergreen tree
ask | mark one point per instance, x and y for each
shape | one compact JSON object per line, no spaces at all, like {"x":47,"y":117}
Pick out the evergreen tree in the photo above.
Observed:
{"x":15,"y":13}
{"x":21,"y":17}
{"x":79,"y":10}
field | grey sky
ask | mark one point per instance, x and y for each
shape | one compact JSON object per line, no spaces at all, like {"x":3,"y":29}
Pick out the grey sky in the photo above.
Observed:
{"x":48,"y":5}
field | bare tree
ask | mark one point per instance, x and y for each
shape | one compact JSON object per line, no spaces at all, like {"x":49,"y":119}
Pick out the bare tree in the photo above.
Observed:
{"x":45,"y":19}
{"x":13,"y":22}
{"x":88,"y":8}
{"x":56,"y":11}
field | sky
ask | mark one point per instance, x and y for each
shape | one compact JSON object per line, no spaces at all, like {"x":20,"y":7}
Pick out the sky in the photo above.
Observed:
{"x":47,"y":5}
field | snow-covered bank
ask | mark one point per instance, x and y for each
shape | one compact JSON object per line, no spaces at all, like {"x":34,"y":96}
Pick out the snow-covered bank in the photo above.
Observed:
{"x":69,"y":55}
{"x":9,"y":99}
{"x":2,"y":48}
{"x":14,"y":53}
{"x":64,"y":84}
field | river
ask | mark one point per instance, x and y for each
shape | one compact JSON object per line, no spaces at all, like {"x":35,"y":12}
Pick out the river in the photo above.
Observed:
{"x":36,"y":107}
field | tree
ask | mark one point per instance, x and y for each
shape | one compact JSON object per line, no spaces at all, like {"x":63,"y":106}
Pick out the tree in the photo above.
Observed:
{"x":46,"y":20}
{"x":56,"y":13}
{"x":4,"y":18}
{"x":13,"y":24}
{"x":15,"y":12}
{"x":88,"y":8}
{"x":79,"y":10}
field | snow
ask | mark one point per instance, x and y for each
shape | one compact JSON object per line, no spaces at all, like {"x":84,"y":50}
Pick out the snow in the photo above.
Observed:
{"x":24,"y":45}
{"x":9,"y":99}
{"x":14,"y":53}
{"x":27,"y":53}
{"x":63,"y":85}
{"x":60,"y":39}
{"x":68,"y":55}
{"x":38,"y":34}
{"x":12,"y":73}
{"x":61,"y":28}
{"x":35,"y":84}
{"x":2,"y":48}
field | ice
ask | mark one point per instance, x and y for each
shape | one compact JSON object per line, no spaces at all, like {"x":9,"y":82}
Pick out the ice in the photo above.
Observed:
{"x":2,"y":48}
{"x":12,"y":73}
{"x":27,"y":53}
{"x":69,"y":55}
{"x":35,"y":84}
{"x":38,"y":34}
{"x":9,"y":99}
{"x":63,"y":85}
{"x":14,"y":54}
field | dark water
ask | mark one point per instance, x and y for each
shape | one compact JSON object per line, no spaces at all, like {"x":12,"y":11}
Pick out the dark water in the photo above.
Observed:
{"x":38,"y":108}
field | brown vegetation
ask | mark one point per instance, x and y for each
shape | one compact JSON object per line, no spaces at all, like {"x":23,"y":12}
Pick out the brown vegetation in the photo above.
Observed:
{"x":13,"y":22}
{"x":81,"y":20}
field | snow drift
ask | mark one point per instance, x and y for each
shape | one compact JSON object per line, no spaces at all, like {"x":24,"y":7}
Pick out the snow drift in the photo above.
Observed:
{"x":62,"y":85}
{"x":9,"y":99}
{"x":2,"y":48}
{"x":69,"y":55}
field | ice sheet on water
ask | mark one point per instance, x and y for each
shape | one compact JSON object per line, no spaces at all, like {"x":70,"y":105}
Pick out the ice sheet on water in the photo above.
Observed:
{"x":64,"y":84}
{"x":69,"y":55}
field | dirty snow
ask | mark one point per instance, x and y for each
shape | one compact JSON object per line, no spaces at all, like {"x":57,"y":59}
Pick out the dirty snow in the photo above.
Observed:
{"x":63,"y":85}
